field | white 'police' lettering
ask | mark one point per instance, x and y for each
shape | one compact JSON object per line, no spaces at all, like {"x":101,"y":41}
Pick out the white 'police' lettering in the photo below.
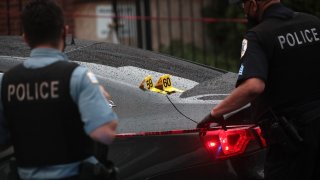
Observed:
{"x":298,"y":38}
{"x":41,"y":91}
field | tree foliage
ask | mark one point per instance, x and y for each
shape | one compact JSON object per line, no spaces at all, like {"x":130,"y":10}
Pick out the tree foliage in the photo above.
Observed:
{"x":226,"y":37}
{"x":308,"y":6}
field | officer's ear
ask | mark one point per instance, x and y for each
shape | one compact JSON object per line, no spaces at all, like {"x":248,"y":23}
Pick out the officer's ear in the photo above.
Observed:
{"x":64,"y":32}
{"x":25,"y":38}
{"x":253,"y":6}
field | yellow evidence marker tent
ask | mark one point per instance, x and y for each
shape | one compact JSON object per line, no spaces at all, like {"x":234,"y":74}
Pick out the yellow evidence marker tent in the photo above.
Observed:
{"x":147,"y":84}
{"x":165,"y":84}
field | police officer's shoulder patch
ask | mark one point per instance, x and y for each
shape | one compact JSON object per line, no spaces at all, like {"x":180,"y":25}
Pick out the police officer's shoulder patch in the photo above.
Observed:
{"x":244,"y":47}
{"x":241,"y":70}
{"x":92,"y":77}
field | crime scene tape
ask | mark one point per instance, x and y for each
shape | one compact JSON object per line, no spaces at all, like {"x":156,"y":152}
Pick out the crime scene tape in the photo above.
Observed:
{"x":17,"y":14}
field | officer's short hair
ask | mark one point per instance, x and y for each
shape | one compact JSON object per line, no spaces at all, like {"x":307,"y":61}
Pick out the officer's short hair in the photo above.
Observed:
{"x":42,"y":22}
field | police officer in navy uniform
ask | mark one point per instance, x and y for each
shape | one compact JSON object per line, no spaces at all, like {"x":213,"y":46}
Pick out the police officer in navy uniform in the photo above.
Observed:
{"x":280,"y":62}
{"x":51,"y":109}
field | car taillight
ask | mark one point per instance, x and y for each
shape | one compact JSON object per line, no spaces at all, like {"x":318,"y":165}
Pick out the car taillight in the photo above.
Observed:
{"x":232,"y":142}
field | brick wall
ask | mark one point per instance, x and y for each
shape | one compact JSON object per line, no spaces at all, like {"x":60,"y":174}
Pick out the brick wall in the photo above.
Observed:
{"x":3,"y":17}
{"x":10,"y":23}
{"x":67,"y":7}
{"x":185,"y":31}
{"x":9,"y":17}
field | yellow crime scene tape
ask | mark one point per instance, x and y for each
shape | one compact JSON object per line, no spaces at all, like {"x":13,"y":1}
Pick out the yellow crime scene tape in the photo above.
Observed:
{"x":163,"y":86}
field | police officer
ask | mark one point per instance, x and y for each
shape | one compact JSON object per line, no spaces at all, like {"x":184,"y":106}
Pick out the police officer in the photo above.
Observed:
{"x":280,"y":62}
{"x":51,"y":109}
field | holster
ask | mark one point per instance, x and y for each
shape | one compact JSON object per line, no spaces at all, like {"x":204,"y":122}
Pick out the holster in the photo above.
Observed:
{"x":13,"y":171}
{"x":277,"y":130}
{"x":87,"y":171}
{"x":97,"y":171}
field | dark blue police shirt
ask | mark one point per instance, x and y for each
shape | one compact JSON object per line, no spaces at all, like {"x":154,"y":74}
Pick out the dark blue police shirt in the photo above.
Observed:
{"x":254,"y":61}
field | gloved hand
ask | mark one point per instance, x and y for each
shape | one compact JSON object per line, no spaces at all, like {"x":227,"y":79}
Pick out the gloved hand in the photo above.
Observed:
{"x":206,"y":121}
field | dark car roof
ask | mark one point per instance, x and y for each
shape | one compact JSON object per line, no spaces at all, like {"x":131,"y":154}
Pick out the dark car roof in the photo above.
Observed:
{"x":138,"y":110}
{"x":211,"y":80}
{"x":117,"y":56}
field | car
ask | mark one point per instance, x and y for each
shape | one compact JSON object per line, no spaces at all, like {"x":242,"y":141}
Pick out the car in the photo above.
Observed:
{"x":159,"y":100}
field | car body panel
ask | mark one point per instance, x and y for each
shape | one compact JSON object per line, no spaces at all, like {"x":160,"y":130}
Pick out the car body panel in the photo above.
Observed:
{"x":176,"y":156}
{"x":120,"y":70}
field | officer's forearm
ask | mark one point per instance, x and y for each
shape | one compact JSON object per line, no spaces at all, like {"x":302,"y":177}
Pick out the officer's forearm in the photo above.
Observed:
{"x":239,"y":97}
{"x":4,"y":147}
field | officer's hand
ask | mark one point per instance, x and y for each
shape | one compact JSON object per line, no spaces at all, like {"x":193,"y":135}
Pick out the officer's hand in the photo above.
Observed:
{"x":209,"y":119}
{"x":206,"y":121}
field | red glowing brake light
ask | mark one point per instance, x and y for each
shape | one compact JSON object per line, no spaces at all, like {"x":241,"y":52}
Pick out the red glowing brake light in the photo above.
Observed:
{"x":232,"y":142}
